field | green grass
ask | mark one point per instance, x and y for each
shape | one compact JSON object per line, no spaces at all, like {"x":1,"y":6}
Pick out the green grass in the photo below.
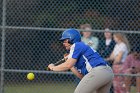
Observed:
{"x":133,"y":89}
{"x":44,"y":88}
{"x":40,"y":88}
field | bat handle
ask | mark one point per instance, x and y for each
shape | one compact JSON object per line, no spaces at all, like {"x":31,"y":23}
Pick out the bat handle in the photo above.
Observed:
{"x":59,"y":62}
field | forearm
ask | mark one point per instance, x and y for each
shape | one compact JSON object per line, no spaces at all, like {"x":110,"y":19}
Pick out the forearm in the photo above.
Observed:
{"x":116,"y":61}
{"x":75,"y":71}
{"x":61,"y":67}
{"x":65,"y":66}
{"x":111,"y":58}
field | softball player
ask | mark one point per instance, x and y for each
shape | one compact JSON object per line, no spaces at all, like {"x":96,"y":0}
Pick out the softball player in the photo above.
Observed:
{"x":96,"y":76}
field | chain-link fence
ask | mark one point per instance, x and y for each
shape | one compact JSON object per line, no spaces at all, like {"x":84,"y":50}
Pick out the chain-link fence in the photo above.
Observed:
{"x":30,"y":30}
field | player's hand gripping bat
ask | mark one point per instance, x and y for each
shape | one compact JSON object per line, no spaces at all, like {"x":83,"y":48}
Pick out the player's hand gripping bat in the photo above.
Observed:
{"x":60,"y":61}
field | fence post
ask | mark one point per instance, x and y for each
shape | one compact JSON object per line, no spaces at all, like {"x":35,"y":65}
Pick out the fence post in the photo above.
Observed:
{"x":3,"y":45}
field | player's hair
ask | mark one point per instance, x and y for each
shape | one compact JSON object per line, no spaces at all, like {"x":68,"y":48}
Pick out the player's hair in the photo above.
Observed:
{"x":123,"y":38}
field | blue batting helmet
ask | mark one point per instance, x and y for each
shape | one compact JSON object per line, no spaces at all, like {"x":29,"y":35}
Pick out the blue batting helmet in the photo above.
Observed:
{"x":72,"y":34}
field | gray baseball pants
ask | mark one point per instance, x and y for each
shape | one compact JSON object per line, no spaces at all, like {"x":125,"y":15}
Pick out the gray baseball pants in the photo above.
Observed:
{"x":98,"y":80}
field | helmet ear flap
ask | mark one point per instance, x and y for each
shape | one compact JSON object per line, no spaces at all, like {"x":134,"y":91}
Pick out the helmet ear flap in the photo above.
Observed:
{"x":69,"y":41}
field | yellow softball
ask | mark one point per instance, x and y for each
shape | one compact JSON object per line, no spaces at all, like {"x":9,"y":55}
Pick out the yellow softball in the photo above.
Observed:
{"x":30,"y":76}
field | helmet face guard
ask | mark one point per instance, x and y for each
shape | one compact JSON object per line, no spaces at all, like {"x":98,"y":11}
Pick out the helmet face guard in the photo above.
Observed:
{"x":72,"y":34}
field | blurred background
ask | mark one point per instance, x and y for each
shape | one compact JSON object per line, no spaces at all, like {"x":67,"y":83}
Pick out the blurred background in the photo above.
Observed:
{"x":30,"y":32}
